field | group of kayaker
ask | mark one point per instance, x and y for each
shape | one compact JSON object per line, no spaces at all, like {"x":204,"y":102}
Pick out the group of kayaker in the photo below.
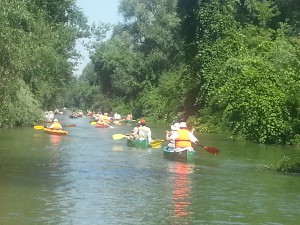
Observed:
{"x":180,"y":138}
{"x":75,"y":115}
{"x":102,"y":119}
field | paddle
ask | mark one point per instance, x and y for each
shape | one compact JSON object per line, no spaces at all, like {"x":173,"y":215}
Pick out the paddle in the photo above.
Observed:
{"x":70,"y":125}
{"x":156,"y":143}
{"x":119,"y":136}
{"x":211,"y":150}
{"x":38,"y":127}
{"x":108,"y":125}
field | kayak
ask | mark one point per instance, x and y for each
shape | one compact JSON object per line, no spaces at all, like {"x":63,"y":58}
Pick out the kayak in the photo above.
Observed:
{"x":101,"y":125}
{"x":138,"y":143}
{"x":182,"y":155}
{"x":57,"y":132}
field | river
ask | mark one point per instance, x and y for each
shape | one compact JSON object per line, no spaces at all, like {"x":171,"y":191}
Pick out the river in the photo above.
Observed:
{"x":87,"y":178}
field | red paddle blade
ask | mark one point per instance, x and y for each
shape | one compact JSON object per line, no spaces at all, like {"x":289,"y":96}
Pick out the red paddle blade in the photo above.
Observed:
{"x":211,"y":150}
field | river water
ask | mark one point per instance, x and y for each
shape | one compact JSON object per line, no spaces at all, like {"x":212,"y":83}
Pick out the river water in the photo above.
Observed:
{"x":87,"y":178}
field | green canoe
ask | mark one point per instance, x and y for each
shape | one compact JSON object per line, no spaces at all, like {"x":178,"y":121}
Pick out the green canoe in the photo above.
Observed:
{"x":187,"y":155}
{"x":138,"y":143}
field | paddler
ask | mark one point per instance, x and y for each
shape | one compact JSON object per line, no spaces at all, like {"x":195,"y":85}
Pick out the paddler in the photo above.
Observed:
{"x":55,"y":125}
{"x":183,"y":138}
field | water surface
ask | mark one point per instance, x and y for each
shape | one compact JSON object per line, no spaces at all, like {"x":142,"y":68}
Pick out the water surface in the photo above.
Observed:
{"x":88,"y":178}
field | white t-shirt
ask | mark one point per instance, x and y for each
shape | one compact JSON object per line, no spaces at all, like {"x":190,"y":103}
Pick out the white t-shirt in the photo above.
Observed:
{"x":145,"y":133}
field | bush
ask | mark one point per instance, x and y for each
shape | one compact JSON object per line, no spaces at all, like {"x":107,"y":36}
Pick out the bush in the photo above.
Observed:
{"x":286,"y":165}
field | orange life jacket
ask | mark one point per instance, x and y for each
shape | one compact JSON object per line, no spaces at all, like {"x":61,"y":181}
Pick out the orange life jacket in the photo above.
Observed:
{"x":183,"y":140}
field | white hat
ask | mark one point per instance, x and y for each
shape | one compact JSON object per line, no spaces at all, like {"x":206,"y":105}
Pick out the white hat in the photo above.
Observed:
{"x":55,"y":120}
{"x":183,"y":124}
{"x":175,"y":126}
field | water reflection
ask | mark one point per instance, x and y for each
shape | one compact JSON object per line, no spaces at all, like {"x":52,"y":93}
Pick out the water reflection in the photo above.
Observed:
{"x":55,"y":139}
{"x":88,"y":178}
{"x":181,"y":186}
{"x":117,"y":148}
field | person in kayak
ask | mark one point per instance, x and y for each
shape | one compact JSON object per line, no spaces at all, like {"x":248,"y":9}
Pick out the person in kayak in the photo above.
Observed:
{"x":183,"y":138}
{"x":55,"y":125}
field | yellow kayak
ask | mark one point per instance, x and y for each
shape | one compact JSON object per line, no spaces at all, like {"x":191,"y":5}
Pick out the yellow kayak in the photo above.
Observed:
{"x":57,"y":132}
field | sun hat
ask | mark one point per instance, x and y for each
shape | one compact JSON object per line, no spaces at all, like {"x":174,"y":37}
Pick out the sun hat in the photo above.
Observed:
{"x":183,"y":124}
{"x":175,"y":126}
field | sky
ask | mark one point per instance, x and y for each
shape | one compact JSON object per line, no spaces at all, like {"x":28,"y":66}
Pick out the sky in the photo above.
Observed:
{"x":96,"y":10}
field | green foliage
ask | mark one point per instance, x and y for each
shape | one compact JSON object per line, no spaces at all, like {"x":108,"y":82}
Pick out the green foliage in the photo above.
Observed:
{"x":151,"y":104}
{"x":296,"y":141}
{"x":208,"y":45}
{"x":115,"y":66}
{"x":241,"y":68}
{"x":207,"y":122}
{"x":244,"y":74}
{"x":173,"y":91}
{"x":256,"y":87}
{"x":258,"y":13}
{"x":19,"y":109}
{"x":82,"y":95}
{"x":37,"y":43}
{"x":289,"y":13}
{"x":130,"y":65}
{"x":287,"y":165}
{"x":121,"y":107}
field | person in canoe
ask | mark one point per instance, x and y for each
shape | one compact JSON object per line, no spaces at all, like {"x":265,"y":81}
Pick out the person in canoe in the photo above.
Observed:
{"x":134,"y":133}
{"x":171,"y":143}
{"x":55,"y":125}
{"x":143,"y":132}
{"x":183,"y":138}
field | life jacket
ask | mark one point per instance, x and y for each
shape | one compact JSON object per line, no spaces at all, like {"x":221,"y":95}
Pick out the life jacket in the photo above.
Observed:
{"x":56,"y":126}
{"x":105,"y":118}
{"x":183,"y":140}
